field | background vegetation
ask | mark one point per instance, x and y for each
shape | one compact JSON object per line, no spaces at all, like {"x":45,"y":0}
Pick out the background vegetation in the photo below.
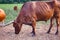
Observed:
{"x":17,"y":1}
{"x":9,"y":10}
{"x":8,"y":7}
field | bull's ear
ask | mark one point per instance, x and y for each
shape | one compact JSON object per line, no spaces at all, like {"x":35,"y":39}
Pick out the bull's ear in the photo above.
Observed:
{"x":13,"y":21}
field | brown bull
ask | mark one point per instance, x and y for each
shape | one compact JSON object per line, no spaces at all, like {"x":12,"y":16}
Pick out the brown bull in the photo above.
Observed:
{"x":36,"y":11}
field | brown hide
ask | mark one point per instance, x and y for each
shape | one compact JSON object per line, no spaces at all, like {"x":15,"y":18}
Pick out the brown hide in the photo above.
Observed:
{"x":35,"y":11}
{"x":40,"y":11}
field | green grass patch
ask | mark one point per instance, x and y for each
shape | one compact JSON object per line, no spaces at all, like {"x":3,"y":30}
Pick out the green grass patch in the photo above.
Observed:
{"x":10,"y":13}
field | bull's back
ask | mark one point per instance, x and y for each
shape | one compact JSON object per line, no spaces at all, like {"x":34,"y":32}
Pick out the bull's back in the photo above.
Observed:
{"x":43,"y":10}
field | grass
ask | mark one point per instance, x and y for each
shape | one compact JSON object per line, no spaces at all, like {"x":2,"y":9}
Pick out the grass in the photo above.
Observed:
{"x":10,"y":13}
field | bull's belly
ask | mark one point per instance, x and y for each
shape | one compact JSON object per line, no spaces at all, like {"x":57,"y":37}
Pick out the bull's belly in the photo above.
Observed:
{"x":44,"y":17}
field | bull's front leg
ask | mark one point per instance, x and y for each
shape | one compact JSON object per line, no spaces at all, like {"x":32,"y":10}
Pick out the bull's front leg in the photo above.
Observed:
{"x":51,"y":24}
{"x":33,"y":27}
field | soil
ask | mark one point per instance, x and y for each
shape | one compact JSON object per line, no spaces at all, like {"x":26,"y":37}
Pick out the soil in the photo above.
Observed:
{"x":7,"y":33}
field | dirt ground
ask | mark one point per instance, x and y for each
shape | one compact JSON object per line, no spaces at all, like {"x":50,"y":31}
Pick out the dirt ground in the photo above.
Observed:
{"x":7,"y":33}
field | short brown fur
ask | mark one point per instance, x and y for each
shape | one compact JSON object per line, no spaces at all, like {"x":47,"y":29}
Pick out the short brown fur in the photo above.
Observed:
{"x":37,"y":11}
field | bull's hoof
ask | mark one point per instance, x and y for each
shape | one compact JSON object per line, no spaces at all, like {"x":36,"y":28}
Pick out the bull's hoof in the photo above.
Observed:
{"x":48,"y":32}
{"x":56,"y":33}
{"x":16,"y":33}
{"x":33,"y":35}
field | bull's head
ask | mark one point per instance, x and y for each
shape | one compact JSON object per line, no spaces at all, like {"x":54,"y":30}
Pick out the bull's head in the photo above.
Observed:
{"x":16,"y":26}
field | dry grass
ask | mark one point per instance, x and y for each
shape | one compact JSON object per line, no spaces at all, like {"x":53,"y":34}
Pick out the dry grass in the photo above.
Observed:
{"x":7,"y":33}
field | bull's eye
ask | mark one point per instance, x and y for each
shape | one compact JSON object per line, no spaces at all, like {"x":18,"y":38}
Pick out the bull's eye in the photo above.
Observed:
{"x":15,"y":24}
